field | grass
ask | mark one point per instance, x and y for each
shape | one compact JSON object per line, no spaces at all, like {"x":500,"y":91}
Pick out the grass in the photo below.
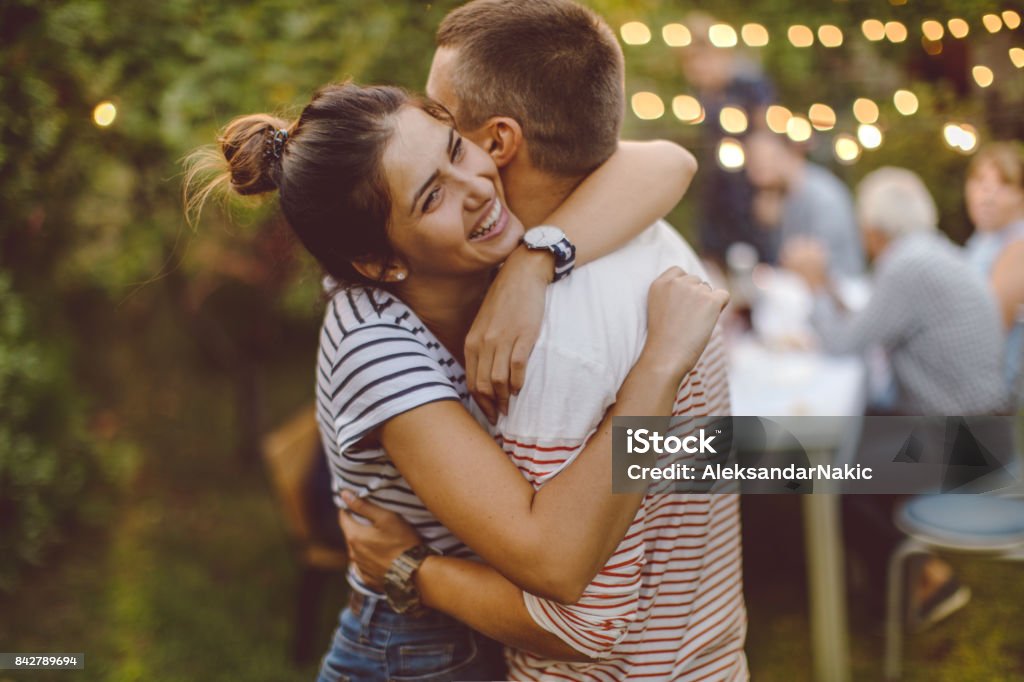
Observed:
{"x":192,"y":578}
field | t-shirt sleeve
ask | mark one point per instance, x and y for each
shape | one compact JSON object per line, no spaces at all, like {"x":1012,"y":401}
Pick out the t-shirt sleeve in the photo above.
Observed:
{"x":375,"y":372}
{"x":602,"y":616}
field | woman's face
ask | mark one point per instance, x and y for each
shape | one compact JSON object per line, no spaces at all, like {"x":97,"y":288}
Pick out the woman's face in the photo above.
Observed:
{"x":448,"y":211}
{"x":992,"y":203}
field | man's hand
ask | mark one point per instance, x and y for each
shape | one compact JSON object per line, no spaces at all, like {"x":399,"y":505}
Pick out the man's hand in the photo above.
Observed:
{"x":373,"y":547}
{"x":806,"y":257}
{"x":506,"y":329}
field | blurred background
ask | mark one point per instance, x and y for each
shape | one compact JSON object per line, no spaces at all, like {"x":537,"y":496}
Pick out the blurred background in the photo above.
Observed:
{"x":142,"y":363}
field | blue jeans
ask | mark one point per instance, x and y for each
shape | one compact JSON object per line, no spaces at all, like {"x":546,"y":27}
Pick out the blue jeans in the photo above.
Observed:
{"x":373,"y":644}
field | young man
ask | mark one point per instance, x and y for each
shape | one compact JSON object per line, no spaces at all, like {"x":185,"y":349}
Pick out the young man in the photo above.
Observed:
{"x":540,"y":86}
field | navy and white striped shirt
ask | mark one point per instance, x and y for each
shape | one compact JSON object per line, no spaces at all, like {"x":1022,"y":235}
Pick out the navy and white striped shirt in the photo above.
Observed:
{"x":376,"y":361}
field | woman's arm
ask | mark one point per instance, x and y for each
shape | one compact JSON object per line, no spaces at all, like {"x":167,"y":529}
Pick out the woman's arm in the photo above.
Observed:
{"x":553,"y":541}
{"x":466,"y":590}
{"x":640,"y":183}
{"x":1008,"y":282}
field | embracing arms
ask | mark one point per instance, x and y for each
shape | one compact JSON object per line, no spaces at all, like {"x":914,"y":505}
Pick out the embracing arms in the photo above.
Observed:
{"x":640,"y":183}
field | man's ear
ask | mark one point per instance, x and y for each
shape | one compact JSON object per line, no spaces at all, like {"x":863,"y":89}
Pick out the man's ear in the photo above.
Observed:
{"x":381,"y":270}
{"x":502,"y":138}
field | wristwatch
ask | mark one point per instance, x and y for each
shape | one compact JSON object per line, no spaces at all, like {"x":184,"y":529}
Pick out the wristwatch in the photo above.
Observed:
{"x":399,"y":586}
{"x":551,"y":238}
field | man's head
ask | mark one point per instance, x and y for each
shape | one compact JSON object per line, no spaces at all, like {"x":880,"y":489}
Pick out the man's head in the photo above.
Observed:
{"x":892,"y":203}
{"x":550,"y":70}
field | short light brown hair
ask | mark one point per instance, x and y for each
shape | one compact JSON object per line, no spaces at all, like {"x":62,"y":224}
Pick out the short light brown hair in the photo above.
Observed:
{"x":1006,"y":157}
{"x":553,"y":65}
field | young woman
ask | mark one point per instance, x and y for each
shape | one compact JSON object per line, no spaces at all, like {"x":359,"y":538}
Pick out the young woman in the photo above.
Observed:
{"x":411,"y":222}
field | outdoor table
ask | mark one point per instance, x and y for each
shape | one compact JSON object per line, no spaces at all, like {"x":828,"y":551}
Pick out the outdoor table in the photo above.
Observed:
{"x":781,"y":385}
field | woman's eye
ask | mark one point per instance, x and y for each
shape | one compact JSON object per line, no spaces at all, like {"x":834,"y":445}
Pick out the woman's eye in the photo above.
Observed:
{"x":431,"y":199}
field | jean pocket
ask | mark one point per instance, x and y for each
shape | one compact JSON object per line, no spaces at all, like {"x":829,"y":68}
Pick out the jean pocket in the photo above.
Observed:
{"x":438,"y":658}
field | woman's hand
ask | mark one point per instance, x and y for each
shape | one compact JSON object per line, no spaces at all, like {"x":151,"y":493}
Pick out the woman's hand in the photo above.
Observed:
{"x":682,"y":311}
{"x":373,"y":546}
{"x":506,"y":329}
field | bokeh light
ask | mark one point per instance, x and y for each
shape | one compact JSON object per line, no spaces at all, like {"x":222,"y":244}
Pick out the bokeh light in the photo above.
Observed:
{"x":958,"y":28}
{"x":635,"y":33}
{"x":983,"y":75}
{"x":932,"y":30}
{"x":905,"y":101}
{"x":733,"y":120}
{"x":895,"y":31}
{"x":687,"y":109}
{"x":830,"y":36}
{"x":822,"y":116}
{"x":754,"y":35}
{"x":992,"y":23}
{"x":777,"y":117}
{"x":730,"y":154}
{"x":873,"y":29}
{"x":722,"y":35}
{"x":846,"y":149}
{"x":676,"y":35}
{"x":104,"y":114}
{"x":798,"y":129}
{"x":869,"y":135}
{"x":647,"y":106}
{"x":1017,"y":56}
{"x":865,"y":110}
{"x":800,"y":35}
{"x":960,"y":136}
{"x":1011,"y":18}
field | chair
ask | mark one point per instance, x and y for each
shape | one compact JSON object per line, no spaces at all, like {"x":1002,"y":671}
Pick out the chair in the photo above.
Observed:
{"x":983,"y":525}
{"x":289,"y":453}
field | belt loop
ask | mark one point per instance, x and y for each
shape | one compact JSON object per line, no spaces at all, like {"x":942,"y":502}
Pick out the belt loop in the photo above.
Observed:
{"x":366,"y":618}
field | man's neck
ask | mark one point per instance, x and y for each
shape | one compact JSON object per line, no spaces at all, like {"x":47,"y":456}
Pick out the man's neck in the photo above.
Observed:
{"x":534,"y":195}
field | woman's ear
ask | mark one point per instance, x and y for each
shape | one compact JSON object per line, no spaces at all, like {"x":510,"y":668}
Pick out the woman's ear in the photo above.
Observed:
{"x":502,"y":138}
{"x":378,"y":270}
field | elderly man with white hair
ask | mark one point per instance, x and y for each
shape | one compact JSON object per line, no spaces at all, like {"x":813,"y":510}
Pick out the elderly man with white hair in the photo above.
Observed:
{"x":940,"y":329}
{"x":928,"y":311}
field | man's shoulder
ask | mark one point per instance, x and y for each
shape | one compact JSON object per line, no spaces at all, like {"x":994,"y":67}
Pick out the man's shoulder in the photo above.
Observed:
{"x":659,"y":246}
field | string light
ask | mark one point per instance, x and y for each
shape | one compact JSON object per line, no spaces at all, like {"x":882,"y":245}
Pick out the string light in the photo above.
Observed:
{"x":800,"y":35}
{"x":895,"y":31}
{"x":722,"y":35}
{"x":932,"y":30}
{"x":905,"y":101}
{"x":730,"y":154}
{"x":874,"y":30}
{"x":865,"y":110}
{"x":635,"y":33}
{"x":676,"y":35}
{"x":104,"y":114}
{"x":687,"y":109}
{"x":983,"y":76}
{"x":754,"y":35}
{"x":846,"y":149}
{"x":777,"y":117}
{"x":733,"y":120}
{"x":961,"y":137}
{"x":822,"y":116}
{"x":1011,"y":18}
{"x":647,"y":106}
{"x":958,"y":28}
{"x":830,"y":36}
{"x":1017,"y":56}
{"x":798,"y":129}
{"x":869,"y":135}
{"x":992,"y":23}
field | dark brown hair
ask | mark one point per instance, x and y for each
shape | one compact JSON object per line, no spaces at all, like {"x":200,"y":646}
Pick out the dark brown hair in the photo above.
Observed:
{"x":328,"y":171}
{"x":552,"y":65}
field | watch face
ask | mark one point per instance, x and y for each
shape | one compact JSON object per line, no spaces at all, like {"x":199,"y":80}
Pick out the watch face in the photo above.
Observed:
{"x":543,"y":236}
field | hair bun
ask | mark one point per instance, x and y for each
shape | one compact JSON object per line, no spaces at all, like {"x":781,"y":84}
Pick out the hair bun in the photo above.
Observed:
{"x":253,"y":147}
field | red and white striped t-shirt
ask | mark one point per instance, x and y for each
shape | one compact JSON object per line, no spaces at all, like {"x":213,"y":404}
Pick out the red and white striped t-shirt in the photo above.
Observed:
{"x":668,"y":605}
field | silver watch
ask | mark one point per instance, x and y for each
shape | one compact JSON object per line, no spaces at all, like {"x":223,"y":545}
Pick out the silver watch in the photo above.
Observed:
{"x":551,"y":238}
